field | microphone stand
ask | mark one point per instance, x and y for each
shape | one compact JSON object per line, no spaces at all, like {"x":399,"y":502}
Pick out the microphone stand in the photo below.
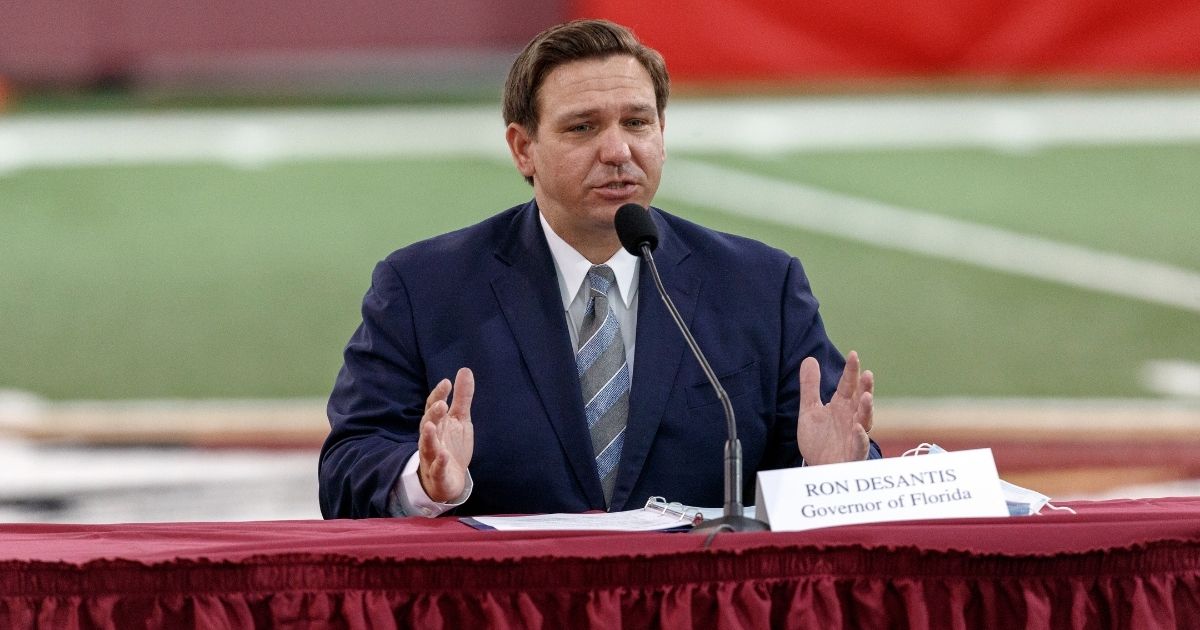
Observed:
{"x":734,"y":519}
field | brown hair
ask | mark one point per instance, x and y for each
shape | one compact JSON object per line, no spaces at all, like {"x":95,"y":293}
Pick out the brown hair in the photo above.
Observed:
{"x":575,"y":40}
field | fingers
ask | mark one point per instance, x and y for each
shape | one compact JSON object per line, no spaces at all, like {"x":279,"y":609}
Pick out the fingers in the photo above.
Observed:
{"x":433,"y":462}
{"x":429,"y":446}
{"x":444,"y":436}
{"x":836,"y":432}
{"x":439,"y":393}
{"x":848,"y":384}
{"x":865,"y":417}
{"x":464,"y":391}
{"x":810,"y":383}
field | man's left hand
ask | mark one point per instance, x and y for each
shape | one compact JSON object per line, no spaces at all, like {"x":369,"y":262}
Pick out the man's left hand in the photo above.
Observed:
{"x":836,"y":432}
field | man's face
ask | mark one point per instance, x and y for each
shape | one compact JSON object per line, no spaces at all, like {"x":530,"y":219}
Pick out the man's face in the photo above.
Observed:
{"x":598,"y":146}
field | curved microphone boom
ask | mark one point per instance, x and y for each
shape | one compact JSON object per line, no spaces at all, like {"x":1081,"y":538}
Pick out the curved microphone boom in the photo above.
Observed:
{"x":639,"y":236}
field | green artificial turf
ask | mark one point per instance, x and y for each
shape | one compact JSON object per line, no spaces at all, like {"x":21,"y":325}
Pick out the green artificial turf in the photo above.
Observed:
{"x":207,"y":281}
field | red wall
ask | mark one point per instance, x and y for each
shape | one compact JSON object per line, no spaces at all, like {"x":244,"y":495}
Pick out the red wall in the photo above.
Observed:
{"x":65,"y":42}
{"x":825,"y":39}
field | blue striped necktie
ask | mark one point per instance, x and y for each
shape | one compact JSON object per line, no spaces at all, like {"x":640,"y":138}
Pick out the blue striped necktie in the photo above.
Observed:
{"x":604,"y":377}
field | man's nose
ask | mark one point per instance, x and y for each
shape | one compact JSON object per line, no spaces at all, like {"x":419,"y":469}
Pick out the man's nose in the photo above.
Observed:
{"x":614,"y":146}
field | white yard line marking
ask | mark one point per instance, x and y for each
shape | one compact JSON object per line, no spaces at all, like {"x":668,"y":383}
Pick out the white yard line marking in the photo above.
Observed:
{"x":1172,"y":378}
{"x":249,"y":138}
{"x":1002,"y":122}
{"x":797,"y":206}
{"x":255,"y":138}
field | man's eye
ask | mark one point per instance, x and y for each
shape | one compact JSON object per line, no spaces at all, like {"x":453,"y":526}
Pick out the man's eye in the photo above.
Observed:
{"x":637,"y":122}
{"x":581,"y":127}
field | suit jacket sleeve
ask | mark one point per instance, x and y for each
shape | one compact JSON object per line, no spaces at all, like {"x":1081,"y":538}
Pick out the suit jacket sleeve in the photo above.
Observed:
{"x":803,"y":335}
{"x":376,"y":405}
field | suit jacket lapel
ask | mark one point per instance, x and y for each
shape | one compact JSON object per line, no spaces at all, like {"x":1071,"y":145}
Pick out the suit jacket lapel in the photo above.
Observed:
{"x":660,"y":349}
{"x":527,"y":293}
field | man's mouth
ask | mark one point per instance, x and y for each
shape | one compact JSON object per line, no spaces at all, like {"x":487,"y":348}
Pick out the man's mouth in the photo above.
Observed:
{"x":618,"y":185}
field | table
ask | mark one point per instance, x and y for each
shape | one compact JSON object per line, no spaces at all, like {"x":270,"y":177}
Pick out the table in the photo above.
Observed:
{"x":1126,"y":563}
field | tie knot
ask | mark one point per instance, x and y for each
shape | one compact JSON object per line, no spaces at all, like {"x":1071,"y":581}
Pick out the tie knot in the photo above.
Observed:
{"x":600,"y":278}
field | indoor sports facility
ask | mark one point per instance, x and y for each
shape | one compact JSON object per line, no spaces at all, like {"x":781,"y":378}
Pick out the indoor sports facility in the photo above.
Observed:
{"x":1001,"y":217}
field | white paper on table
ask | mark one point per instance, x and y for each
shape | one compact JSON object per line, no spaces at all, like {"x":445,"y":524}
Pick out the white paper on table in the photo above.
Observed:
{"x":628,"y":521}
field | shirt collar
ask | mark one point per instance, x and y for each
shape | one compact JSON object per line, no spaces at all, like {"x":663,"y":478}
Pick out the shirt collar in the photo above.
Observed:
{"x":573,"y":268}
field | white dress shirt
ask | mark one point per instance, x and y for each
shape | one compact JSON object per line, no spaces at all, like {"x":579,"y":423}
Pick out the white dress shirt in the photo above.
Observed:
{"x":408,"y":498}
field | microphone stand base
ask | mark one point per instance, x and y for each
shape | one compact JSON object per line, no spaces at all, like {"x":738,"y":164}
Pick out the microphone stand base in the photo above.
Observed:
{"x":731,"y":524}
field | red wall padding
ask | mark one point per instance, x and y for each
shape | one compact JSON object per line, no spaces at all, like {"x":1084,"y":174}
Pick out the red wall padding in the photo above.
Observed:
{"x":71,"y":41}
{"x":830,"y":39}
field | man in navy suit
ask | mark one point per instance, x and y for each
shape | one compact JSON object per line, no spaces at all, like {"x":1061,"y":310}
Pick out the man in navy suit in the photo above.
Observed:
{"x":464,"y":385}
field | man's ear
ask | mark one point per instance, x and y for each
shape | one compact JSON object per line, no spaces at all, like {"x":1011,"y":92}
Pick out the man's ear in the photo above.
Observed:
{"x":662,"y":130}
{"x":520,"y":145}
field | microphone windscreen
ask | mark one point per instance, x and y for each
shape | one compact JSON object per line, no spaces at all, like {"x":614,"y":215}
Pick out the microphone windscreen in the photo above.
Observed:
{"x":635,"y":228}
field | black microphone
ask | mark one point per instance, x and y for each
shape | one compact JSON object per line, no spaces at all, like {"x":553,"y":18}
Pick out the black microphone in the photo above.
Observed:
{"x":639,"y":236}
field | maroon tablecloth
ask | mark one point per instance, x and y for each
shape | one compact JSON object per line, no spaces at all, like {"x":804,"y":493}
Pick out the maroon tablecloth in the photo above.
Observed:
{"x":1128,"y":563}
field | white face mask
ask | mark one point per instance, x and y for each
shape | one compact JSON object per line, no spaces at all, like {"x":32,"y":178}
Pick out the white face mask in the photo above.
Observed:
{"x":1021,"y":501}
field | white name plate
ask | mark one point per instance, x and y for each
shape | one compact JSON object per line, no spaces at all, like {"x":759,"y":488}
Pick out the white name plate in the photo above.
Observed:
{"x":947,"y":485}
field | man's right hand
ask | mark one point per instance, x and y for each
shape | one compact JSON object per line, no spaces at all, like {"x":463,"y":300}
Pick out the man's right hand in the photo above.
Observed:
{"x":447,"y":438}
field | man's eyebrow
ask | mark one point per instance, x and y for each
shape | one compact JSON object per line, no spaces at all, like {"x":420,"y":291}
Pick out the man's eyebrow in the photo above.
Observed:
{"x":579,"y":113}
{"x":639,"y":108}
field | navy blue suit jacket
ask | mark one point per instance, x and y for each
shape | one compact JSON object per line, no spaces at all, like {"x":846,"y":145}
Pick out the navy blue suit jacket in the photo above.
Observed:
{"x":487,"y":297}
